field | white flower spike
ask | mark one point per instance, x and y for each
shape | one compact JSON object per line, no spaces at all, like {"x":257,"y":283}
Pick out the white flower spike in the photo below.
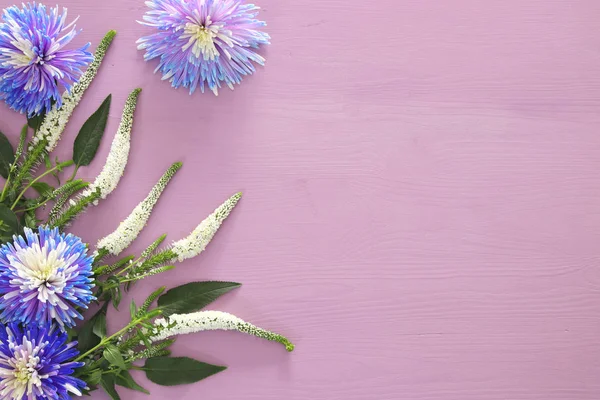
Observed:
{"x":56,"y":119}
{"x":182,"y":324}
{"x":131,"y":227}
{"x":197,"y":241}
{"x":113,"y":170}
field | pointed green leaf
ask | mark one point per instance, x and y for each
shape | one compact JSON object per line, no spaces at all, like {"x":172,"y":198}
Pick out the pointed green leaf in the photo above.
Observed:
{"x":132,"y":309}
{"x":71,"y":334}
{"x":9,"y":223}
{"x":171,"y":371}
{"x":42,"y":188}
{"x":36,"y":121}
{"x":117,"y":295}
{"x":30,"y":220}
{"x":126,"y":380}
{"x":21,"y":145}
{"x":7,"y":156}
{"x":99,"y":328}
{"x":193,"y":296}
{"x":113,"y":356}
{"x":87,"y":339}
{"x":47,"y":161}
{"x":108,"y":384}
{"x":94,"y":378}
{"x":88,"y":140}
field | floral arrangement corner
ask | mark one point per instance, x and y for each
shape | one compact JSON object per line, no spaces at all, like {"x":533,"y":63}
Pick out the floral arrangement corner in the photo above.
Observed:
{"x":49,"y":277}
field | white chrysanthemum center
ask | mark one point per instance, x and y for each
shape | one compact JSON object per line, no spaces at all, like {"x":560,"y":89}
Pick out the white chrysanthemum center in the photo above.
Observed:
{"x":42,"y":271}
{"x":27,"y":54}
{"x":23,"y":57}
{"x":19,"y":373}
{"x":202,"y":39}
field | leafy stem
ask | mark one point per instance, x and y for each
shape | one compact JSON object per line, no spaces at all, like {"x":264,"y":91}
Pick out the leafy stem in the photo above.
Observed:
{"x":130,"y":279}
{"x":151,"y":262}
{"x":56,"y":167}
{"x":74,"y":173}
{"x":131,"y":325}
{"x":15,"y":164}
{"x":31,"y":159}
{"x":34,"y":207}
{"x":106,"y":340}
{"x":6,"y":184}
{"x":131,"y":265}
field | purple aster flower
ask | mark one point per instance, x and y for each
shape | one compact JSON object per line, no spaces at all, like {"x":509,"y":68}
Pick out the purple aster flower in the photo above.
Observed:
{"x":203,"y":42}
{"x":44,"y":277}
{"x":34,"y":66}
{"x":35,"y":364}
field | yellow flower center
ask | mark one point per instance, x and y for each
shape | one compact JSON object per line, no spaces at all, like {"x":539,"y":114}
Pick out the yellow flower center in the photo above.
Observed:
{"x":201,"y":39}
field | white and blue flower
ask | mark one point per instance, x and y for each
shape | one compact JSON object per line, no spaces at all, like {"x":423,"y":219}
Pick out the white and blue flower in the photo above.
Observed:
{"x":34,"y":64}
{"x":45,"y":276}
{"x":35,"y":364}
{"x":203,"y":42}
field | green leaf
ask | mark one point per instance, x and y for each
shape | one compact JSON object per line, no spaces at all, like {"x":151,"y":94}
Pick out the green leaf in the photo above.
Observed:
{"x":117,"y":295}
{"x":47,"y":161}
{"x":126,"y":380}
{"x":10,"y":223}
{"x":21,"y":145}
{"x":71,"y":334}
{"x":43,"y":189}
{"x":193,"y":296}
{"x":99,"y":328}
{"x":87,"y":339}
{"x":146,"y":341}
{"x":108,"y":384}
{"x":7,"y":156}
{"x":87,"y":141}
{"x":113,"y":356}
{"x":132,"y":309}
{"x":36,"y":121}
{"x":30,"y":220}
{"x":171,"y":371}
{"x":94,"y":378}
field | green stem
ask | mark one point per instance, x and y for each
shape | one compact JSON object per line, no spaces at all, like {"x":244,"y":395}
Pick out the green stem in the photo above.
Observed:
{"x":6,"y":184}
{"x":125,"y":281}
{"x":162,"y":257}
{"x":98,"y":271}
{"x":34,"y":207}
{"x":31,"y":159}
{"x":57,"y":167}
{"x":74,"y":173}
{"x":18,"y":154}
{"x":128,"y":267}
{"x":101,"y":254}
{"x":109,"y":338}
{"x":140,"y":277}
{"x":73,"y":211}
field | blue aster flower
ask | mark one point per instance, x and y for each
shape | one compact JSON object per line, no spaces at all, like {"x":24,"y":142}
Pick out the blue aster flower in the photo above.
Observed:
{"x":35,"y":364}
{"x":34,"y":66}
{"x":44,"y":277}
{"x":203,"y":42}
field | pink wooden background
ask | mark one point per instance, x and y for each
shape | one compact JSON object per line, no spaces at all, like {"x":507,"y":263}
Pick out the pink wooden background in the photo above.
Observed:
{"x":422,"y":197}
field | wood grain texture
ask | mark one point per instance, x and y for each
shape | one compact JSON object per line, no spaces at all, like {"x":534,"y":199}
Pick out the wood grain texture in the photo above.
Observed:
{"x":422,"y":197}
